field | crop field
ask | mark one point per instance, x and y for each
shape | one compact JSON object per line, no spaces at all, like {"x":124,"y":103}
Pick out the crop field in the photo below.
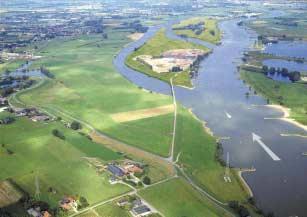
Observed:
{"x":143,"y":113}
{"x":197,"y":157}
{"x":291,"y":95}
{"x":87,"y":87}
{"x":177,"y":198}
{"x":9,"y":194}
{"x":209,"y":33}
{"x":155,"y":47}
{"x":51,"y":163}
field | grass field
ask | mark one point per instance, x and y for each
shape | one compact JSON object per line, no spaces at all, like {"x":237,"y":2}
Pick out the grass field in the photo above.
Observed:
{"x":48,"y":161}
{"x":291,"y":95}
{"x":197,"y":157}
{"x":154,"y":47}
{"x":177,"y":198}
{"x":297,"y":20}
{"x":210,"y":33}
{"x":87,"y":86}
{"x":107,"y":210}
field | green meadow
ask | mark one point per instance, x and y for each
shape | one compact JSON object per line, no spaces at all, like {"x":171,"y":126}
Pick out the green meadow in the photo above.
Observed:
{"x":177,"y":198}
{"x":291,"y":95}
{"x":155,"y":47}
{"x":211,"y":33}
{"x":49,"y":162}
{"x":86,"y":86}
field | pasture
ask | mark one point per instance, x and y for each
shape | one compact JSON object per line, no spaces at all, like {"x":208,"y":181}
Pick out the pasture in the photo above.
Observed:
{"x":87,"y":87}
{"x":177,"y":198}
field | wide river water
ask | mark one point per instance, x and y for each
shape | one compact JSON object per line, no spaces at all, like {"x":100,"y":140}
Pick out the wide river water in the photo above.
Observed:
{"x":220,"y":99}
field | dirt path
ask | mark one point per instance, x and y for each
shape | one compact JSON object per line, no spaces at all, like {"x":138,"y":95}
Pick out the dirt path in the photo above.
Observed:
{"x":171,"y":157}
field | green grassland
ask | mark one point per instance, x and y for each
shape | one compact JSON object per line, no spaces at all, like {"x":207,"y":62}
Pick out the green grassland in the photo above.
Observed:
{"x":177,"y":198}
{"x":291,"y":95}
{"x":155,"y":47}
{"x":40,"y":157}
{"x":107,"y":210}
{"x":210,"y":26}
{"x":10,"y":65}
{"x":198,"y":150}
{"x":87,"y":86}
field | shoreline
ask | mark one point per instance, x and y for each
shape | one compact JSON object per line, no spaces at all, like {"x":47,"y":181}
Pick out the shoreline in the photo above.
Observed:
{"x":286,"y":116}
{"x":245,"y":184}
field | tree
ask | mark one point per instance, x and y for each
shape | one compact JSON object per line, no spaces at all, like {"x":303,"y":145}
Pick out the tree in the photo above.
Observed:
{"x":265,"y":68}
{"x":295,"y":76}
{"x":272,"y":70}
{"x":146,"y":180}
{"x":284,"y":72}
{"x":233,"y":205}
{"x":75,"y":125}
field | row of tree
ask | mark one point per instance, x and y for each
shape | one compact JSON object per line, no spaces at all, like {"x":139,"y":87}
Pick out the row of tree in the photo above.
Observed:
{"x":292,"y":75}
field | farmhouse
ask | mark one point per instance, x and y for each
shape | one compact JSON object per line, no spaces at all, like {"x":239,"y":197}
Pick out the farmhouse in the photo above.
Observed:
{"x":132,"y":168}
{"x":36,"y":212}
{"x":68,"y":203}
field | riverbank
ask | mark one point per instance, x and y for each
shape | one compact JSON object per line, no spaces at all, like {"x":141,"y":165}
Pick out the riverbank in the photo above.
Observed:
{"x":287,"y":95}
{"x":286,"y":116}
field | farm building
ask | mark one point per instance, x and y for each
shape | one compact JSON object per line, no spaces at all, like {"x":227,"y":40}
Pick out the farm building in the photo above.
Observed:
{"x":122,"y":202}
{"x":116,"y":170}
{"x":37,"y":118}
{"x":3,"y":101}
{"x":140,"y":211}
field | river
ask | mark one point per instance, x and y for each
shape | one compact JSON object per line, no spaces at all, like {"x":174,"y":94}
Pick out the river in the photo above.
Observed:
{"x":219,"y":98}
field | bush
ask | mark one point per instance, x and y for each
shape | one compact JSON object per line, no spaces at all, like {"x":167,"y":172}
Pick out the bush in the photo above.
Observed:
{"x":83,"y":203}
{"x":146,"y":180}
{"x":58,"y":134}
